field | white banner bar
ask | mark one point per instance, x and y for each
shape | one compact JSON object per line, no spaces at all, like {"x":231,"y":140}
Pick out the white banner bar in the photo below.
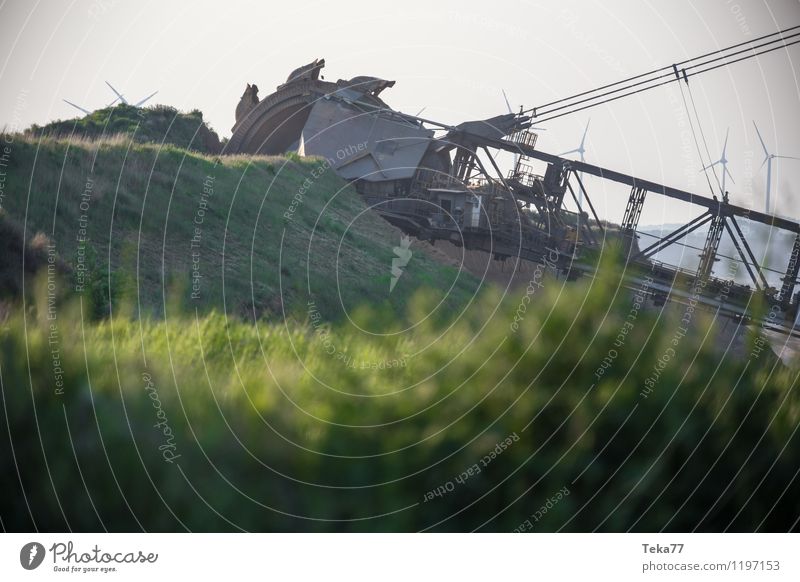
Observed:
{"x":400,"y":557}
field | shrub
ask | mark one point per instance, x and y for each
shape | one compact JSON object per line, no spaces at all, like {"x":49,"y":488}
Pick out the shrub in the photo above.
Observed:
{"x":268,"y":430}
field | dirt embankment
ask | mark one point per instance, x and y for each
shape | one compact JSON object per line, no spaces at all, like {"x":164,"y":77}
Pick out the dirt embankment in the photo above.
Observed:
{"x":512,"y":272}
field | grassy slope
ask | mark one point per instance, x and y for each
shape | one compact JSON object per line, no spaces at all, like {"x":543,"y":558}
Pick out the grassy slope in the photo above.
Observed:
{"x":145,"y":200}
{"x":145,"y":124}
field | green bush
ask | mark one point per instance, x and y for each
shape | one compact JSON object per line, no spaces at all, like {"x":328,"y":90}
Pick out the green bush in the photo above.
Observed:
{"x":159,"y":124}
{"x":268,"y":431}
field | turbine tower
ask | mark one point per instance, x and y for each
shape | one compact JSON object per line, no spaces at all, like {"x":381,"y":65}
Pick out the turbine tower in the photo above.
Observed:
{"x":768,"y":158}
{"x":580,"y":150}
{"x":722,"y":161}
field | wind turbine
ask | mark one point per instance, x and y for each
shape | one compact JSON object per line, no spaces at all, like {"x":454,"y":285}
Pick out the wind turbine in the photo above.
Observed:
{"x":119,"y":97}
{"x":722,"y":161}
{"x":125,"y":101}
{"x":581,"y":150}
{"x":768,"y":157}
{"x":86,"y":111}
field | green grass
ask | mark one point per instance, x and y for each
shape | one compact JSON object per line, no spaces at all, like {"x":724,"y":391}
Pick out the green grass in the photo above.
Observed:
{"x":275,"y":433}
{"x":159,"y":124}
{"x":144,"y":207}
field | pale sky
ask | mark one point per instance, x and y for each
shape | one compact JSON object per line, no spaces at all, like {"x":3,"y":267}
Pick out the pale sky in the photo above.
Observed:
{"x":451,"y":57}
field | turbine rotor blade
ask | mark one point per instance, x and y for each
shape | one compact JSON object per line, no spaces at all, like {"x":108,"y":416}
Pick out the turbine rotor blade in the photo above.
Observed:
{"x":77,"y":107}
{"x":117,"y":93}
{"x":506,"y":99}
{"x":140,"y":103}
{"x":585,"y":131}
{"x":763,"y":145}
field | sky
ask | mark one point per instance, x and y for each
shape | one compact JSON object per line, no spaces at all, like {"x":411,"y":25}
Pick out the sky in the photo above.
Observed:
{"x":454,"y":58}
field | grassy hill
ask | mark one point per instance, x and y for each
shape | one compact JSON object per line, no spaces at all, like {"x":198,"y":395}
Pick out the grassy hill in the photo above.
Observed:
{"x":157,"y":124}
{"x":245,"y":236}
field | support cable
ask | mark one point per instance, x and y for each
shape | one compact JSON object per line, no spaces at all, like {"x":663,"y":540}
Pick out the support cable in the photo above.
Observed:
{"x":710,"y":165}
{"x":651,"y":83}
{"x":694,"y":135}
{"x":781,"y":34}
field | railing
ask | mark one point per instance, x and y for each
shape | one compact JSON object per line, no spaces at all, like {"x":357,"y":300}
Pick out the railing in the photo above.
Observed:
{"x":524,"y":137}
{"x":524,"y":175}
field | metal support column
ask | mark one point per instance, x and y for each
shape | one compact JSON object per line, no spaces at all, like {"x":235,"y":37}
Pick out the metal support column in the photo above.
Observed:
{"x":753,"y":262}
{"x":589,"y":201}
{"x":463,"y":162}
{"x":633,"y":210}
{"x":709,"y":255}
{"x":742,"y":255}
{"x":582,"y":226}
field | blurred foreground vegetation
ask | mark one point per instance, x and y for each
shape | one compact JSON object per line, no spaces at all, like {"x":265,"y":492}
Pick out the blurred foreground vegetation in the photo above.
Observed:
{"x":287,"y":426}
